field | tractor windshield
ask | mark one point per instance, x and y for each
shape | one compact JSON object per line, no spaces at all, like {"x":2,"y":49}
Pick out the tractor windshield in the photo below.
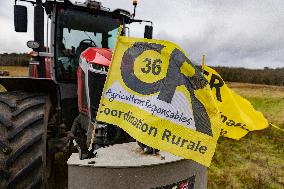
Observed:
{"x":75,"y":32}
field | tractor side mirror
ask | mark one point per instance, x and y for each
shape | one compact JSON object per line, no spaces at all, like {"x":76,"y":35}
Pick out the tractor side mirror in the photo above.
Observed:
{"x":20,"y":18}
{"x":148,"y":33}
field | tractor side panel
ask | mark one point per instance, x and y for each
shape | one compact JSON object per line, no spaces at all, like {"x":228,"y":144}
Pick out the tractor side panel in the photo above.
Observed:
{"x":34,"y":66}
{"x":82,"y":96}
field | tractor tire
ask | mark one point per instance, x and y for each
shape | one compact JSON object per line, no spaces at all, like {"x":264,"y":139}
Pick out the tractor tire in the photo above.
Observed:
{"x":23,"y":129}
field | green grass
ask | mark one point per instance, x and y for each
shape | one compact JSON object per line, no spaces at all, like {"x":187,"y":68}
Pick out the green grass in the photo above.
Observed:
{"x":257,"y":160}
{"x":14,"y":71}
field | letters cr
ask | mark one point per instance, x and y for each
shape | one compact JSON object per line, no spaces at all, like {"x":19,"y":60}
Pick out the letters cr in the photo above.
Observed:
{"x":167,"y":86}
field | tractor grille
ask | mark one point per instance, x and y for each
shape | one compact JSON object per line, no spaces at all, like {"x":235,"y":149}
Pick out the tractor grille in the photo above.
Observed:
{"x":96,"y":83}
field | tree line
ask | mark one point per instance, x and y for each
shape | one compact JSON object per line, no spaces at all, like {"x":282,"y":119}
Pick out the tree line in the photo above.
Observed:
{"x":266,"y":76}
{"x":14,"y":59}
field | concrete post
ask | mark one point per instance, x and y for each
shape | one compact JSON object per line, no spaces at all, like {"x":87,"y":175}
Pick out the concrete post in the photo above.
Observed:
{"x":124,"y":166}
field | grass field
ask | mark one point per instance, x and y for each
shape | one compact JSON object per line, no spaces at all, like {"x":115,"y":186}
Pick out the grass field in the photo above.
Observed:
{"x":16,"y":71}
{"x":255,"y":161}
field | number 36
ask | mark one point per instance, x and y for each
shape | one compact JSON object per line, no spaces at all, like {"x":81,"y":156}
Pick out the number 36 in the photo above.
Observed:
{"x":154,"y":66}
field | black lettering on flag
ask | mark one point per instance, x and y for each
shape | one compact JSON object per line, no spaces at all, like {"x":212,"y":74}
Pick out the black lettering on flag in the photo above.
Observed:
{"x":217,"y":85}
{"x":167,"y":86}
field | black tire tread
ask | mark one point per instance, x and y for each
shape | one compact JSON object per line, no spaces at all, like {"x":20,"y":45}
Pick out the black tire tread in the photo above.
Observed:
{"x":36,"y":183}
{"x":4,"y":147}
{"x":23,"y":172}
{"x":4,"y":174}
{"x":14,"y":156}
{"x":23,"y":138}
{"x":30,"y":95}
{"x":23,"y":126}
{"x":7,"y":102}
{"x":28,"y":107}
{"x":5,"y":122}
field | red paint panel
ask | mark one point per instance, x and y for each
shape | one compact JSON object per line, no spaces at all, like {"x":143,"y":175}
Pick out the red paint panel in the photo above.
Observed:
{"x":35,"y":71}
{"x":100,"y":56}
{"x":80,"y":88}
{"x":47,"y":67}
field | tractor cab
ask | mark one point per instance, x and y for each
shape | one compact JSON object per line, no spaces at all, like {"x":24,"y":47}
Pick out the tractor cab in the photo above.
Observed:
{"x":75,"y":32}
{"x":74,"y":27}
{"x":71,"y":28}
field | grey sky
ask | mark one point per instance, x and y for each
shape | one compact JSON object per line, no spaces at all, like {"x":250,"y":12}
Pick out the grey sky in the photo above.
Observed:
{"x":230,"y":33}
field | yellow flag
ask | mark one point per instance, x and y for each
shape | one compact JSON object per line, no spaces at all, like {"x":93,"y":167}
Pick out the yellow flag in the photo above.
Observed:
{"x":237,"y":114}
{"x":156,"y":95}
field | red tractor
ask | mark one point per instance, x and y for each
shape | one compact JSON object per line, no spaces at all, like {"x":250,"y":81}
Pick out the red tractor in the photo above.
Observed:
{"x":56,"y":105}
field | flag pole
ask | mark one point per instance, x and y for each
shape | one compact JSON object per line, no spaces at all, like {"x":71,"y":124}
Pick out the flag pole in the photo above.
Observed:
{"x":203,"y":63}
{"x":203,"y":60}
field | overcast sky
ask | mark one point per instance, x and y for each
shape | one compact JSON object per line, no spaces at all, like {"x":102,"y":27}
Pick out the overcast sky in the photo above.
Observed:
{"x":238,"y":33}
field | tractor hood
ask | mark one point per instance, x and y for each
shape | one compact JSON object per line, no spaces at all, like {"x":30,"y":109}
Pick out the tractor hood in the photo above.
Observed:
{"x":101,"y":56}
